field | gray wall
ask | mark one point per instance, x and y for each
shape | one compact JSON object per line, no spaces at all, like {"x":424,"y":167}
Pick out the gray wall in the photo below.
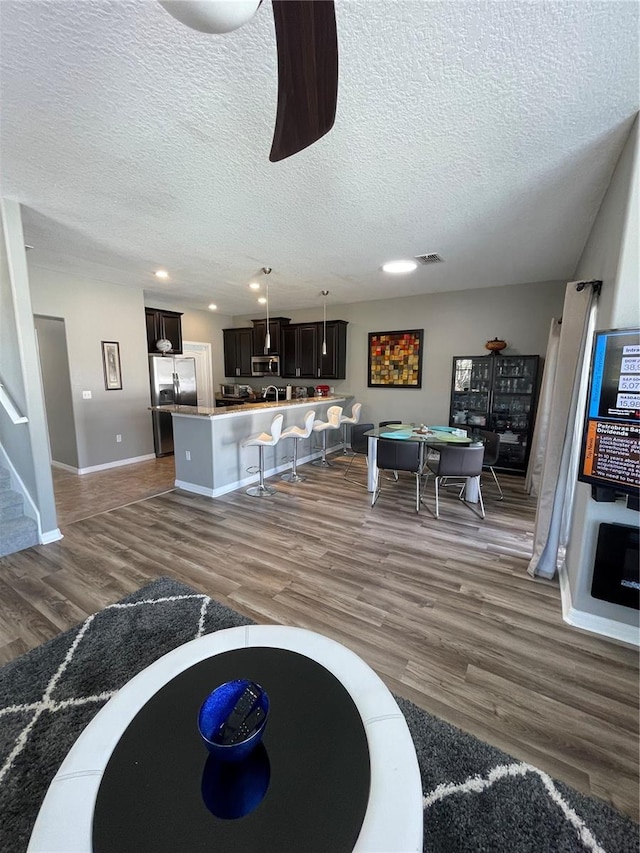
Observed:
{"x":611,"y":255}
{"x":457,"y":323}
{"x":56,"y":383}
{"x":94,"y":312}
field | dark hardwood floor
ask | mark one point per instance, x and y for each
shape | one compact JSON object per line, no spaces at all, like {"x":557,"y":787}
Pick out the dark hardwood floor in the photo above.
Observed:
{"x":442,"y":609}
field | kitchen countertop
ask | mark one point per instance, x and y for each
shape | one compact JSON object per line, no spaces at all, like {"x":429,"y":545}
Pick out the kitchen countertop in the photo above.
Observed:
{"x":206,"y":412}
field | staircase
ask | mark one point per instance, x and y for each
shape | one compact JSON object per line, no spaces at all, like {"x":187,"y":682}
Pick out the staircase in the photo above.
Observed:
{"x":16,"y":530}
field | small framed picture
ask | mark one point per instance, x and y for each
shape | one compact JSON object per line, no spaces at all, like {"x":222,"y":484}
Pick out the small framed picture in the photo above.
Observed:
{"x":395,"y":359}
{"x":111,"y":365}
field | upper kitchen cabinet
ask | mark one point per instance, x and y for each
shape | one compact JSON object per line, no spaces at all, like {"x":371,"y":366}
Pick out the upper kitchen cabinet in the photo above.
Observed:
{"x":333,"y":364}
{"x":302,"y":356}
{"x":276,"y":325}
{"x":238,"y":349}
{"x":299,"y":359}
{"x":163,"y":324}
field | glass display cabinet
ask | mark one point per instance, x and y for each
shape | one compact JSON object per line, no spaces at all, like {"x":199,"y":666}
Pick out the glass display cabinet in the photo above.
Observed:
{"x":498,"y":393}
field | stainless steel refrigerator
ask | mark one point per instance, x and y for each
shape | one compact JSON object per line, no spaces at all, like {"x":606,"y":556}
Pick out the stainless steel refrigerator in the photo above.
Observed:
{"x":173,"y":382}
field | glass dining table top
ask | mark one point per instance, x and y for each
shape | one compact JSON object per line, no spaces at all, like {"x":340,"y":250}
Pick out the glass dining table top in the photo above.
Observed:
{"x":418,"y":432}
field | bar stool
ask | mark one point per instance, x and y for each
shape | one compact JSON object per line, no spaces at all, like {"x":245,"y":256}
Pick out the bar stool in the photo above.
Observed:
{"x":332,"y":422}
{"x":349,"y":419}
{"x":297,"y":433}
{"x":262,"y":440}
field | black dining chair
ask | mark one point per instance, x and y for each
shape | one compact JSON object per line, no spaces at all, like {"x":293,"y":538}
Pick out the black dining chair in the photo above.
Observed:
{"x":397,"y":455}
{"x":382,"y":425}
{"x":360,"y":447}
{"x":460,"y":462}
{"x":491,"y":441}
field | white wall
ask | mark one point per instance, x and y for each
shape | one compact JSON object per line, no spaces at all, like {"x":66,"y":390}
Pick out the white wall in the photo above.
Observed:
{"x":611,"y":255}
{"x":457,"y":323}
{"x":94,"y":312}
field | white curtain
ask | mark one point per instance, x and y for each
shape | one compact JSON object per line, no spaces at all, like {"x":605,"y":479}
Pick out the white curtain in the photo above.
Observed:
{"x":541,"y":431}
{"x":560,"y":438}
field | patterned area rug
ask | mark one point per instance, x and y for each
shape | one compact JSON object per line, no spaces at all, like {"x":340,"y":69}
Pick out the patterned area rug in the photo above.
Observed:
{"x":476,"y":798}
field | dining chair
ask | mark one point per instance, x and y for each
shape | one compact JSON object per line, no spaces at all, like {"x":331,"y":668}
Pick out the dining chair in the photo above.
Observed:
{"x":381,"y":425}
{"x":460,"y":462}
{"x":360,"y":447}
{"x":396,"y":455}
{"x":491,"y":442}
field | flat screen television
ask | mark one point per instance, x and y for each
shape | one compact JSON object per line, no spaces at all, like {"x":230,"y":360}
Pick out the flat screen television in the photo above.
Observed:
{"x":610,"y":455}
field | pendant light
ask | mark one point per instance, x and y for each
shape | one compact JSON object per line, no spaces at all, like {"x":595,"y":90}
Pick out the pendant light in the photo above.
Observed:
{"x":267,"y":337}
{"x":325,"y":293}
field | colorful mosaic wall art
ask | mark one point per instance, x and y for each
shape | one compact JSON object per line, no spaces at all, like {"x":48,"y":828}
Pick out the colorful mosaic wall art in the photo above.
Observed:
{"x":395,"y":359}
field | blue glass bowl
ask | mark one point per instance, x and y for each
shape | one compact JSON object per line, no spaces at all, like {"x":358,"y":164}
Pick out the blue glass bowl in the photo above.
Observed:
{"x":215,"y":710}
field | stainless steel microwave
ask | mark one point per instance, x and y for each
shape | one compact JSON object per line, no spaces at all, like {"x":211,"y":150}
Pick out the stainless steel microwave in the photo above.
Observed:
{"x":265,"y":365}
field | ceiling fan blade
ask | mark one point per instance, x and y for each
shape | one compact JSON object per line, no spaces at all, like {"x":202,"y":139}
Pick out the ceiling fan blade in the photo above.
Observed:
{"x":307,"y":74}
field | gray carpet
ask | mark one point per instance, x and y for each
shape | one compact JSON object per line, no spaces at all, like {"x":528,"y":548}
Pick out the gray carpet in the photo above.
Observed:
{"x":476,"y":797}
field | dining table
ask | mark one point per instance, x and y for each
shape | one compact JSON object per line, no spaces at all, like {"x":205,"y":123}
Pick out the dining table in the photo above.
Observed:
{"x":430,"y":437}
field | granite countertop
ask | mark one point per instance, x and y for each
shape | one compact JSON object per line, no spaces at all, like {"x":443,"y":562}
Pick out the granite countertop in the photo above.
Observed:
{"x":206,"y":412}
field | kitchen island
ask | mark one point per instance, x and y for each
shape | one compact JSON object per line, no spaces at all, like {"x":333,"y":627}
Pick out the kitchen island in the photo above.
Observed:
{"x":208,"y":453}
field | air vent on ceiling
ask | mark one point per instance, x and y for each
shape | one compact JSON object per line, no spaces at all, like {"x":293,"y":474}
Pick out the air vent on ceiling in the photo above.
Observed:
{"x":431,"y":258}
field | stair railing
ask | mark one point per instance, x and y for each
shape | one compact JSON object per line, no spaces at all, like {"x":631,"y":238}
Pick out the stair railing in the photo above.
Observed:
{"x":10,"y":409}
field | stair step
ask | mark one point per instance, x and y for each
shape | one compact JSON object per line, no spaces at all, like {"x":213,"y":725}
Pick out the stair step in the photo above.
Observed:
{"x":17,"y":534}
{"x":11,"y":504}
{"x":5,"y":479}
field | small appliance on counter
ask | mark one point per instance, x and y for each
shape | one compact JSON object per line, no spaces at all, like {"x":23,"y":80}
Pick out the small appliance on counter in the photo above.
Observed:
{"x":237,"y":392}
{"x":322,"y":391}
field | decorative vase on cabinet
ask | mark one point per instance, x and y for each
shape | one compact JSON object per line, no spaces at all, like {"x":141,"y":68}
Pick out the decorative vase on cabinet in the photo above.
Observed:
{"x":499,"y":395}
{"x":163,"y":325}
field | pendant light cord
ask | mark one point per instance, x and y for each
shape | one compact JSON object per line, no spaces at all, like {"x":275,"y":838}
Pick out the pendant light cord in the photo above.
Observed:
{"x":325,"y":293}
{"x":267,"y":336}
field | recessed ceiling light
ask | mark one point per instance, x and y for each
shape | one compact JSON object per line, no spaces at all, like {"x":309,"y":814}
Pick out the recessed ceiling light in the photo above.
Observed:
{"x":161,"y":274}
{"x":213,"y":307}
{"x":254,"y":285}
{"x":262,"y":300}
{"x":399,"y":266}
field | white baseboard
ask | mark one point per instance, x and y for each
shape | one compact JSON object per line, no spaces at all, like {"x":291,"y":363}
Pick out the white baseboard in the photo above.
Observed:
{"x":63,"y":466}
{"x":194,"y":489}
{"x":248,"y":481}
{"x":51,"y":536}
{"x":131,"y":461}
{"x":601,"y":625}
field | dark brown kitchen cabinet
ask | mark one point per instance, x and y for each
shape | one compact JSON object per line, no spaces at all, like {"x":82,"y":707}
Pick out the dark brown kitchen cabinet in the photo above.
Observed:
{"x":299,"y":359}
{"x":302,"y":356}
{"x":163,"y":324}
{"x":333,"y":365}
{"x":238,"y":349}
{"x":276,"y":325}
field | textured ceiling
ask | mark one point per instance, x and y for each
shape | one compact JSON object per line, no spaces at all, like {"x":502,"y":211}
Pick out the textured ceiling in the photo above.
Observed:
{"x":485,"y":132}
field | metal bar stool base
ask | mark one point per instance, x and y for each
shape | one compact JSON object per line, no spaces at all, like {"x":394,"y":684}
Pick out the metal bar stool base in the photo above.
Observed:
{"x":261,"y":491}
{"x":291,"y":477}
{"x":322,"y":463}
